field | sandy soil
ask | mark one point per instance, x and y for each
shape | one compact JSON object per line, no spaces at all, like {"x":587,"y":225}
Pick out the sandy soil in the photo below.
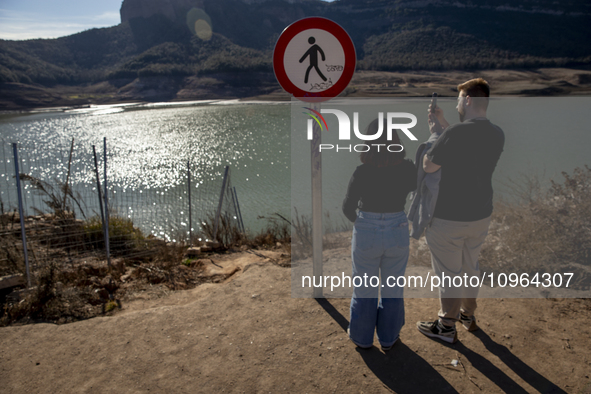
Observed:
{"x":247,"y":334}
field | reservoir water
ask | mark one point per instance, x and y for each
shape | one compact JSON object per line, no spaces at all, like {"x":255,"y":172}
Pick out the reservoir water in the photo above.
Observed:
{"x":265,"y":146}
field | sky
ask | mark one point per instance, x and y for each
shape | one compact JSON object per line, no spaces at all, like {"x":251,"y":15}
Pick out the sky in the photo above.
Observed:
{"x":26,"y":19}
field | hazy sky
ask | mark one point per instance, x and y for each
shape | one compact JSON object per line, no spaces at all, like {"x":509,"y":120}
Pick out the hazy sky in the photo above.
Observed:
{"x":24,"y":19}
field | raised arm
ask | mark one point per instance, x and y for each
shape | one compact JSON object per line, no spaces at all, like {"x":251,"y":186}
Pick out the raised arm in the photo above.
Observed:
{"x":438,"y":113}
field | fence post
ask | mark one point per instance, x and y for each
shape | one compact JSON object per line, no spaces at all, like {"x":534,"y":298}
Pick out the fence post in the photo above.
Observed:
{"x":238,"y":209}
{"x":100,"y":193}
{"x":68,"y":178}
{"x":189,"y":189}
{"x":21,"y":212}
{"x":235,"y":209}
{"x":106,"y":226}
{"x":218,"y":213}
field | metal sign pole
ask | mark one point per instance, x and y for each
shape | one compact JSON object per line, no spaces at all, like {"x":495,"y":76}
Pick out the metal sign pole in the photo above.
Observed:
{"x":316,"y":207}
{"x":302,"y":40}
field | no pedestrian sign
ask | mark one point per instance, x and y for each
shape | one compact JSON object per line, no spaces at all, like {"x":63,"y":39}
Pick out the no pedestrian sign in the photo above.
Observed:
{"x":314,"y":59}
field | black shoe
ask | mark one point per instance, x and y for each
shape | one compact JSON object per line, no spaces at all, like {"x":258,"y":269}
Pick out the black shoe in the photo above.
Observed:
{"x":469,"y":322}
{"x":386,"y":348}
{"x":435,"y":329}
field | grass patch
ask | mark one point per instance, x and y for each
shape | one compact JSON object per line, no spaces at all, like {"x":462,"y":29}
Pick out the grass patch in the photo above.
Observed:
{"x":123,"y":236}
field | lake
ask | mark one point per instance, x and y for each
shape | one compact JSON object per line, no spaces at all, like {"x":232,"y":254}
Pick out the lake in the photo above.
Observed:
{"x":265,"y":145}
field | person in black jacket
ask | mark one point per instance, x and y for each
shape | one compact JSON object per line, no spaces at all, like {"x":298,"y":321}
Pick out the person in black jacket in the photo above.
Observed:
{"x":379,"y":247}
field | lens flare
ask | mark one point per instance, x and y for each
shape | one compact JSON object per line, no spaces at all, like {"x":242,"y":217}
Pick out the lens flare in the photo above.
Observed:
{"x":203,"y":30}
{"x":200,"y":23}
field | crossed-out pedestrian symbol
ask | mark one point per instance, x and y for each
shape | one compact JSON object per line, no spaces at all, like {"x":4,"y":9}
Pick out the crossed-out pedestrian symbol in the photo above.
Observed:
{"x":313,"y":53}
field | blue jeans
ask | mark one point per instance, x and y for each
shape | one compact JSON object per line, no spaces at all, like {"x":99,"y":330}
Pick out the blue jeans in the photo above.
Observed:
{"x":379,"y":249}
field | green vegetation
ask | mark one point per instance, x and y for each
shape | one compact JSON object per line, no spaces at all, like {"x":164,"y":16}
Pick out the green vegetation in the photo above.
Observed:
{"x":195,"y":57}
{"x":123,"y":236}
{"x":79,"y":58}
{"x":415,"y":50}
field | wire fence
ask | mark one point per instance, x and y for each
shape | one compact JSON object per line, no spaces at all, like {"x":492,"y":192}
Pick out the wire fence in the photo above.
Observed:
{"x":67,"y":196}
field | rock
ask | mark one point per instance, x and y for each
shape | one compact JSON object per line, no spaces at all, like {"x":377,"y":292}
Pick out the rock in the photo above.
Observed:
{"x":129,"y":275}
{"x":102,"y":293}
{"x":157,"y":241}
{"x":12,"y":281}
{"x":21,"y":294}
{"x":213,"y":245}
{"x":194,"y":251}
{"x":14,"y":217}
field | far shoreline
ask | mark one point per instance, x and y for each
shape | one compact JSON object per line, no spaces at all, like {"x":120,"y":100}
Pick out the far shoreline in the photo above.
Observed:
{"x":544,"y":82}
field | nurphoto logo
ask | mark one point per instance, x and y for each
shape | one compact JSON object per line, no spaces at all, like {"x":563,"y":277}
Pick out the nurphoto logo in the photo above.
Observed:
{"x":345,"y":129}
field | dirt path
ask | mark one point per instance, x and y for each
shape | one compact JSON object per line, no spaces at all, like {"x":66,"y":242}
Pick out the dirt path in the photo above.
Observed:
{"x":248,"y":335}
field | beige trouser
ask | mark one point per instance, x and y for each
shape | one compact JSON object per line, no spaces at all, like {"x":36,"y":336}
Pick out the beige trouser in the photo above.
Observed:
{"x":455,"y":247}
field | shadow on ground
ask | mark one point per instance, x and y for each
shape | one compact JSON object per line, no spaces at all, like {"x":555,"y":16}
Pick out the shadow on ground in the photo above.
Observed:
{"x":400,"y":369}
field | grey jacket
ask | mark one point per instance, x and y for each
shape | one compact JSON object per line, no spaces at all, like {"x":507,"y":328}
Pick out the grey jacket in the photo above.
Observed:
{"x":425,"y":197}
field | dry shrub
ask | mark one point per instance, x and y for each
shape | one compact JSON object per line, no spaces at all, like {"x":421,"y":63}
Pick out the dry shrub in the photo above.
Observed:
{"x":228,"y":233}
{"x":337,"y":234}
{"x":51,"y":300}
{"x":61,"y":199}
{"x":276,"y":230}
{"x":11,"y":254}
{"x":547,"y":232}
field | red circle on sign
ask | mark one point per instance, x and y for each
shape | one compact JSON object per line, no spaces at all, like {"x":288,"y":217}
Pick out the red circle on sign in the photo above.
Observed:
{"x":314,"y":23}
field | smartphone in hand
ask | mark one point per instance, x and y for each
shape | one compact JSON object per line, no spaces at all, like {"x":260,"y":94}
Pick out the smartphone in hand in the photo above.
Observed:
{"x":433,"y":102}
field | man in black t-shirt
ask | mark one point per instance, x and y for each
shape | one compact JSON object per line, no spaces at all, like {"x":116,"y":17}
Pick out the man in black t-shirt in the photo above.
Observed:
{"x":466,"y":154}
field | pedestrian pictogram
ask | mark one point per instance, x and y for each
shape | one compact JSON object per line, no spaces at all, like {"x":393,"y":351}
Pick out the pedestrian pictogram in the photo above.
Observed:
{"x":314,"y":59}
{"x":313,"y":54}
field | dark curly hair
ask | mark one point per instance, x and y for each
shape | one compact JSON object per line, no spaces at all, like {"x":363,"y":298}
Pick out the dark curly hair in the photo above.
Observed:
{"x":380,"y":156}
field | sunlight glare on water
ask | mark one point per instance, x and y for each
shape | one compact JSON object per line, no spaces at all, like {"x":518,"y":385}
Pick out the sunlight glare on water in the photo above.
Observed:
{"x":150,"y":148}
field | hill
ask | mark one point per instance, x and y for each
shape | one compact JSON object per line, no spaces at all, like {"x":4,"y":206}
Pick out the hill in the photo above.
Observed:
{"x":161,"y":40}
